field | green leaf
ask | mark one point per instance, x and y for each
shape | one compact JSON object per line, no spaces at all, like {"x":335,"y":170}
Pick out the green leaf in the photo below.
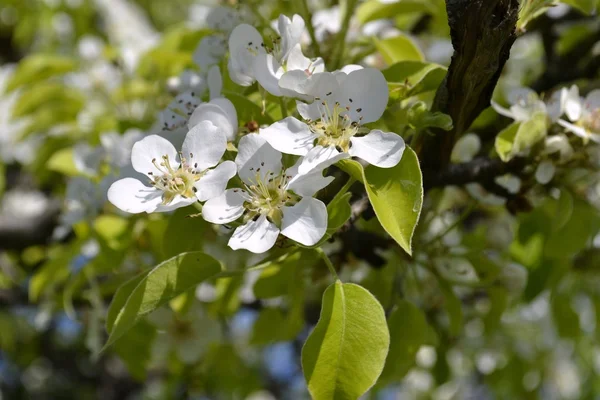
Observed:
{"x":161,"y":284}
{"x":374,"y":9}
{"x":338,"y":212}
{"x":586,"y":6}
{"x":38,"y":67}
{"x":408,"y":328}
{"x":520,"y":136}
{"x":135,"y":349}
{"x":420,"y":117}
{"x":410,"y":78}
{"x":247,"y":109}
{"x":566,"y":319}
{"x":398,"y":48}
{"x":352,"y":168}
{"x":397,"y":196}
{"x":345,"y":354}
{"x":174,"y":242}
{"x":62,"y":162}
{"x":263,"y":332}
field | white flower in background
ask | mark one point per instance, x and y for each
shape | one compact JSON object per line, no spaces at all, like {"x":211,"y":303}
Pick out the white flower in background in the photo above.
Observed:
{"x":175,"y":180}
{"x":524,"y":104}
{"x":510,"y":182}
{"x":466,"y":148}
{"x":83,"y":199}
{"x":251,"y":60}
{"x":559,"y":144}
{"x":584,"y":114}
{"x":271,"y":201}
{"x":334,"y":121}
{"x":219,"y":110}
{"x":210,"y":51}
{"x":114,"y":149}
{"x":479,"y":193}
{"x":128,"y":28}
{"x":188,"y":80}
{"x":545,"y":172}
{"x":178,"y":112}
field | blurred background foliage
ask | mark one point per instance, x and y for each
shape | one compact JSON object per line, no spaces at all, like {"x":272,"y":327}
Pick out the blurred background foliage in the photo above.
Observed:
{"x":501,"y":298}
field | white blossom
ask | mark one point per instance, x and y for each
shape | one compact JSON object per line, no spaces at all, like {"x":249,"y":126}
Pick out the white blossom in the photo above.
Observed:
{"x":334,"y":122}
{"x":271,"y":201}
{"x":250,"y":59}
{"x":175,"y":179}
{"x":583,"y":114}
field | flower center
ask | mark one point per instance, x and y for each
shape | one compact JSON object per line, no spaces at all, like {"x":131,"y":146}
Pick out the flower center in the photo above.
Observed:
{"x":591,"y":121}
{"x":268,"y":195}
{"x":175,"y":181}
{"x":336,"y":128}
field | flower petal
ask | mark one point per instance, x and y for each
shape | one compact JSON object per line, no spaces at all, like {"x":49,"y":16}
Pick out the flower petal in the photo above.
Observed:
{"x":296,"y":60}
{"x":214,"y":182}
{"x":256,"y":156}
{"x":220,"y":112}
{"x":256,"y":236}
{"x":318,"y":159}
{"x":293,"y":84}
{"x":225,"y":208}
{"x":267,"y":72}
{"x":323,"y":86}
{"x":501,"y":110}
{"x":150,"y":148}
{"x":369,"y":92}
{"x":132,"y":196}
{"x":382,"y":149}
{"x":204,"y":146}
{"x":545,"y":172}
{"x":215,"y":82}
{"x":244,"y":44}
{"x":289,"y":136}
{"x":573,"y":104}
{"x":577,"y":130}
{"x":290,"y":32}
{"x":305,"y":222}
{"x":592,"y":100}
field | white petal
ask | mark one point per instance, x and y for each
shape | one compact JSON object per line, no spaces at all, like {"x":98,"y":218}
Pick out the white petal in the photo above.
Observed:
{"x":318,"y":159}
{"x":545,"y":172}
{"x":501,"y":110}
{"x":224,"y":208}
{"x":256,"y":156}
{"x":307,"y":184}
{"x":132,"y":196}
{"x":297,"y":60}
{"x":289,"y":136}
{"x":177,"y":202}
{"x":220,"y":112}
{"x":267,"y":72}
{"x":592,"y":100}
{"x":244,"y":44}
{"x":305,"y":222}
{"x":382,"y":149}
{"x":556,"y":104}
{"x":215,"y":82}
{"x":150,"y":148}
{"x":256,"y":236}
{"x":204,"y":145}
{"x":521,"y":95}
{"x":577,"y":130}
{"x":573,"y":104}
{"x":214,"y":182}
{"x":293,"y":84}
{"x":324,"y":86}
{"x":210,"y":51}
{"x":369,"y":92}
{"x":290,"y":32}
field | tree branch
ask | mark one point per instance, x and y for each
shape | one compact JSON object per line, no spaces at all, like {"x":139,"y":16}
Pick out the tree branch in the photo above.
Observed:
{"x":482,"y":32}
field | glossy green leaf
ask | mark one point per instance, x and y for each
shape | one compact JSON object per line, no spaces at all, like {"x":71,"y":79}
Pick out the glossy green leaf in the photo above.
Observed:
{"x":586,"y":6}
{"x":345,"y":354}
{"x":410,"y":78}
{"x":338,"y":212}
{"x":520,"y":136}
{"x":397,"y":197}
{"x":161,"y":284}
{"x":374,"y":9}
{"x":408,"y":328}
{"x":398,"y":48}
{"x":38,"y":67}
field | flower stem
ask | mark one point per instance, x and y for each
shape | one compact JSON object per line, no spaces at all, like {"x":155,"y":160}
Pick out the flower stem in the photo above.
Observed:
{"x":327,"y":261}
{"x":307,"y":15}
{"x":341,"y":37}
{"x":197,"y":205}
{"x":283,"y":105}
{"x":344,"y":189}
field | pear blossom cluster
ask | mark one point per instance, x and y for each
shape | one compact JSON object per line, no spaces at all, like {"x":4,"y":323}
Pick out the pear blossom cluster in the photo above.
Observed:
{"x":262,"y":184}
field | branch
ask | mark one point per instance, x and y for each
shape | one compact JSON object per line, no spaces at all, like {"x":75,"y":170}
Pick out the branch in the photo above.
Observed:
{"x":482,"y":32}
